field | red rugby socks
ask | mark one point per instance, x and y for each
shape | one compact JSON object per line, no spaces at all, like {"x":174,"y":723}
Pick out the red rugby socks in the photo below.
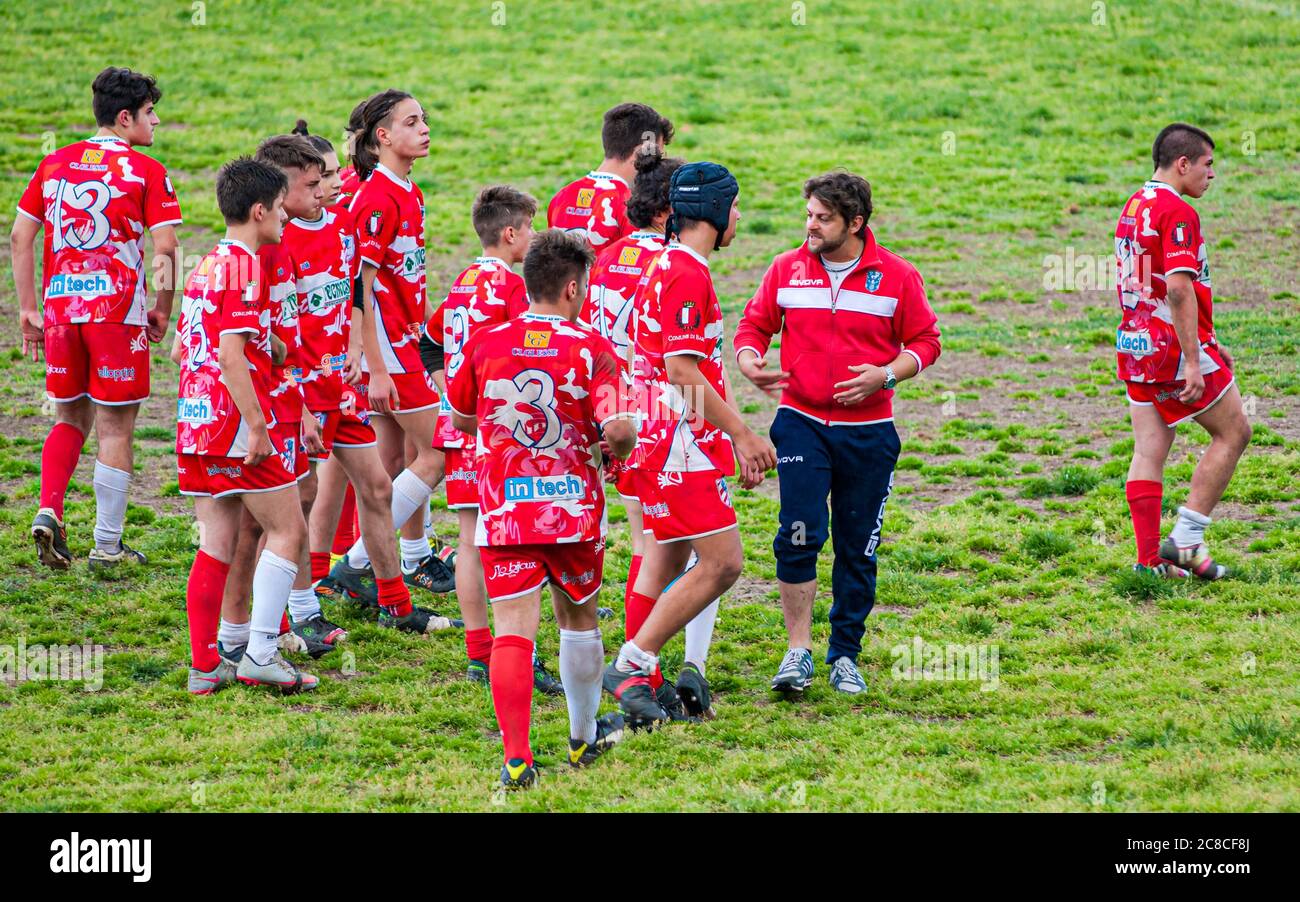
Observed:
{"x":203,"y":608}
{"x":58,"y":462}
{"x":1144,"y":498}
{"x":512,"y":693}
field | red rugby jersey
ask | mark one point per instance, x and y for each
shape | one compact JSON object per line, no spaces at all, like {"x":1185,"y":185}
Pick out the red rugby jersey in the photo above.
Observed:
{"x":541,"y":388}
{"x":1158,"y":234}
{"x":221,"y":295}
{"x":95,"y":198}
{"x":595,"y":205}
{"x":389,"y":215}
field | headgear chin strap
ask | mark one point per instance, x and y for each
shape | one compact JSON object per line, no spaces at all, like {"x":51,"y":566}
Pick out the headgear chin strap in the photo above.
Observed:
{"x":703,"y":191}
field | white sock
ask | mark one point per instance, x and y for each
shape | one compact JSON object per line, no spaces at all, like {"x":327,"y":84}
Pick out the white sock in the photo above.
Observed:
{"x":699,"y":635}
{"x":357,"y":556}
{"x":303,"y":604}
{"x":582,"y":663}
{"x":231,"y":635}
{"x":1189,"y":530}
{"x":111,"y":485}
{"x":428,"y":522}
{"x":272,"y":582}
{"x":633,"y":660}
{"x":414,"y":551}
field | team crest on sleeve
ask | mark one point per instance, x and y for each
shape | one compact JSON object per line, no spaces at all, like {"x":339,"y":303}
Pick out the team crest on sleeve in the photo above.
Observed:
{"x":373,"y":223}
{"x":874,"y":277}
{"x":689,"y":317}
{"x":1182,"y":235}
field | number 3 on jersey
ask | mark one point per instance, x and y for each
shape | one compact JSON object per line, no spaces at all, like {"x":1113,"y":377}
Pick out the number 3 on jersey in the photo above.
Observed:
{"x":537,"y":389}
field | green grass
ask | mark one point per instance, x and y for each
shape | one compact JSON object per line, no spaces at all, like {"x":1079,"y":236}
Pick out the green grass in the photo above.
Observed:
{"x":1012,"y":134}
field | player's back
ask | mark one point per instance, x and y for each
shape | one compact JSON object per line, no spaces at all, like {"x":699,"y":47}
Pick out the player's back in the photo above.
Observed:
{"x":613,"y":284}
{"x":594,"y":205}
{"x":95,"y":199}
{"x":538,"y":385}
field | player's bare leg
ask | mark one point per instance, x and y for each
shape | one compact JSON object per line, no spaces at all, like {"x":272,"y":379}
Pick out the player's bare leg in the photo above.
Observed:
{"x":218,"y":520}
{"x":236,"y":599}
{"x":311,"y":631}
{"x":719,"y":566}
{"x":114,"y":464}
{"x":797,"y":607}
{"x":1230,"y":433}
{"x":280,"y":515}
{"x":59,"y":457}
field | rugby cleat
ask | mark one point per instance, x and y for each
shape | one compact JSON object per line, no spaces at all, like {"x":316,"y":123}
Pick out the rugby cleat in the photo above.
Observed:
{"x":845,"y":677}
{"x":609,"y":732}
{"x":319,"y":634}
{"x":355,"y":585}
{"x":668,"y":699}
{"x":51,"y":538}
{"x":477,"y":672}
{"x":234,"y":653}
{"x":518,"y":774}
{"x":634,"y":695}
{"x":1195,"y":559}
{"x":795,"y":673}
{"x":276,"y":672}
{"x":107,"y":560}
{"x":207,"y":682}
{"x":431,"y":575}
{"x":420,"y":621}
{"x":693,"y":689}
{"x":1162,"y":570}
{"x":543,"y":682}
{"x":291,"y":643}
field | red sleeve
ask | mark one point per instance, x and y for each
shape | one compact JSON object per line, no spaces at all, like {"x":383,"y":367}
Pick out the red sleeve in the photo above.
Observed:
{"x":376,"y":221}
{"x":1180,"y":238}
{"x":161,"y":208}
{"x":241,"y":309}
{"x":608,"y":389}
{"x":762,"y":317}
{"x":32,"y":203}
{"x":916,"y":327}
{"x":433,"y":328}
{"x":463,"y":391}
{"x":684,"y":311}
{"x":516,"y":298}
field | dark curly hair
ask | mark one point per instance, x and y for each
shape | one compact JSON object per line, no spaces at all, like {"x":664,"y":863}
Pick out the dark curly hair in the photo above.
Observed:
{"x":847,"y":194}
{"x":117,"y":89}
{"x":649,"y":195}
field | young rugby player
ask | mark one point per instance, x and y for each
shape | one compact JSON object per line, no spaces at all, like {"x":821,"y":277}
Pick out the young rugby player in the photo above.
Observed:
{"x":389,"y":215}
{"x":95,"y":199}
{"x":1170,"y":359}
{"x":536,"y":392}
{"x":688,"y":428}
{"x":611,"y":296}
{"x":594,"y":206}
{"x":485,"y":294}
{"x":226,"y":457}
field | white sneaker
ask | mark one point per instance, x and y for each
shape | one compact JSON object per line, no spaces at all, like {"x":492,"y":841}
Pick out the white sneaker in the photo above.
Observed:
{"x":845,"y":676}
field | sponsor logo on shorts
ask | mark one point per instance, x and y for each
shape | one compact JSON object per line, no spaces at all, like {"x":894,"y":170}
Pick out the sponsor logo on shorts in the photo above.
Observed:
{"x":463,"y":475}
{"x":1170,"y":395}
{"x":514,"y":568}
{"x":1136,"y":343}
{"x":79,"y":285}
{"x":119,"y":374}
{"x":543,"y":488}
{"x":231,"y":472}
{"x":579,"y":579}
{"x":55,"y":370}
{"x":657,"y":511}
{"x":193,"y":410}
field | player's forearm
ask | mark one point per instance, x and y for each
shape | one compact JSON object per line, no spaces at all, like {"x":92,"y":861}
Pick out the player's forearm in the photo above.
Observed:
{"x":234,"y":373}
{"x":1182,"y":308}
{"x":904,"y":366}
{"x":24,"y":264}
{"x":369,"y":337}
{"x":701,"y":397}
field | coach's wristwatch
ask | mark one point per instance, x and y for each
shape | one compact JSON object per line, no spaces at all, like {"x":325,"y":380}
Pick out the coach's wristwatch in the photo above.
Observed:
{"x":890,"y":379}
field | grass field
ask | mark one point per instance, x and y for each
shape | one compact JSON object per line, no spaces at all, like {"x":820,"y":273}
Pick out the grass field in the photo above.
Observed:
{"x":1000,"y":140}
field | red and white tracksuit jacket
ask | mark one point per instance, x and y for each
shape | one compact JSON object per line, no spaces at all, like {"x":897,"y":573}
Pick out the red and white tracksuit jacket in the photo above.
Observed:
{"x":879,"y":310}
